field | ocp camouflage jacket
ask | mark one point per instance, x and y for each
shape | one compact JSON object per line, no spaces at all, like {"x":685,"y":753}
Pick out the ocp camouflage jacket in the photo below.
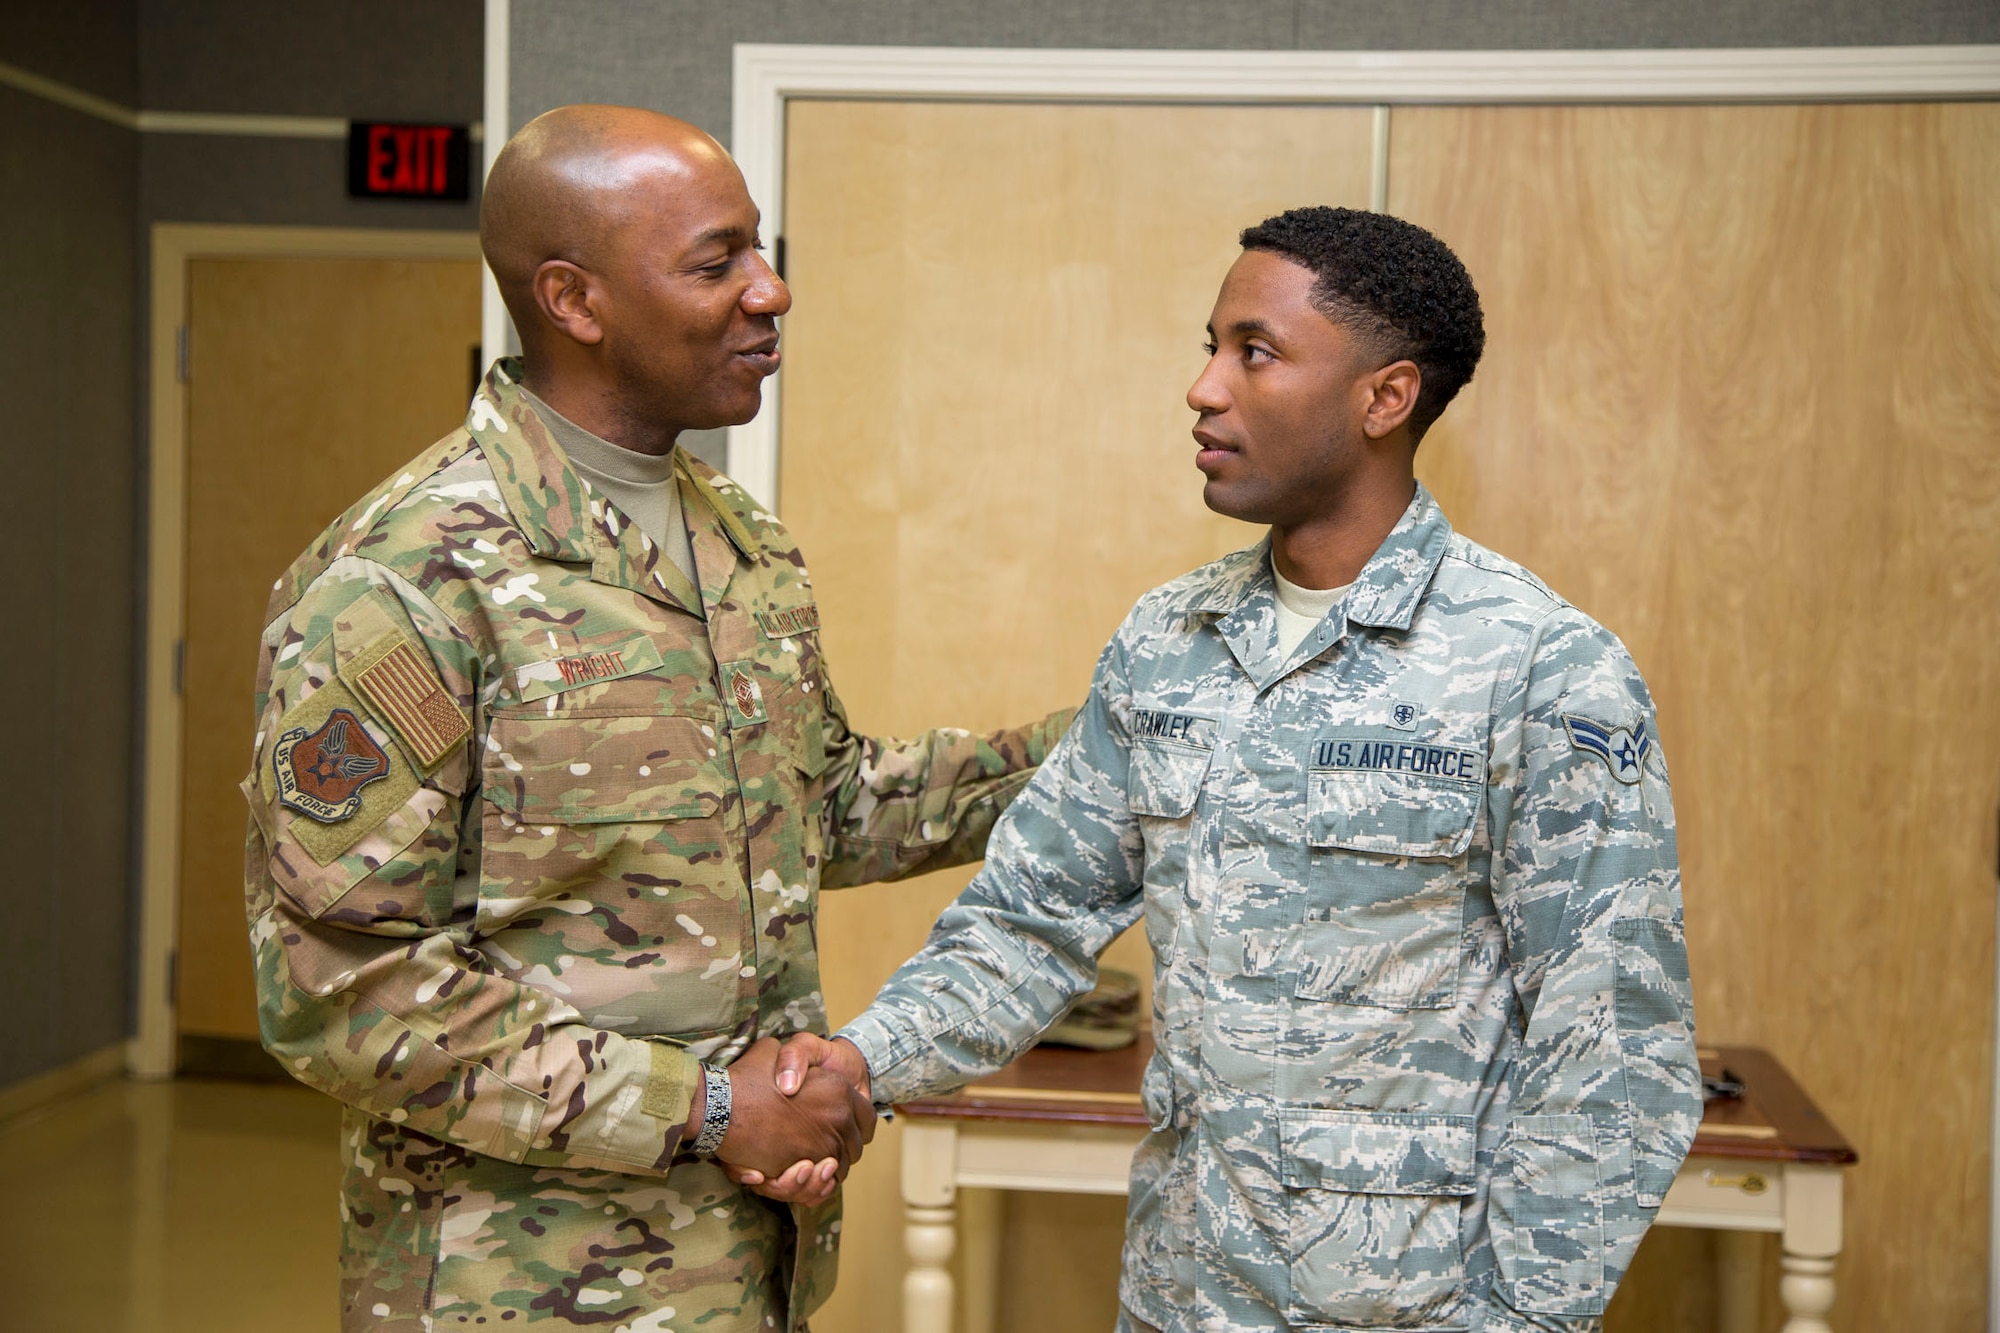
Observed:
{"x":537,"y":825}
{"x":1425,"y":1043}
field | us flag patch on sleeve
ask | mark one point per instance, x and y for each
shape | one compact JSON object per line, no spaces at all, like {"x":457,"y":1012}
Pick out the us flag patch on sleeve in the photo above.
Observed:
{"x":406,"y":694}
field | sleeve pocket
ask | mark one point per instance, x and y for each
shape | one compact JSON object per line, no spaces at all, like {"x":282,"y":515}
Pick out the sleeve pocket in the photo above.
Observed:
{"x":1165,"y":777}
{"x":1548,"y":1222}
{"x":1656,"y":1041}
{"x":391,"y":856}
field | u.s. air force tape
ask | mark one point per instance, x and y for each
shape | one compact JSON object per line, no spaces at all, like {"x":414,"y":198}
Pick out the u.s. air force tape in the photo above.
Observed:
{"x":1399,"y":756}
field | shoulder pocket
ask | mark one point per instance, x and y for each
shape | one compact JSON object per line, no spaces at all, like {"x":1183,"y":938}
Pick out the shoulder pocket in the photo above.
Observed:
{"x":1165,"y":777}
{"x":602,"y":770}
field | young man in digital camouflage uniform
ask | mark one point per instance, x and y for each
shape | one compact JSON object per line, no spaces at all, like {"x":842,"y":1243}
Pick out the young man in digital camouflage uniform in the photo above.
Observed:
{"x":1396,"y":819}
{"x":548,"y":775}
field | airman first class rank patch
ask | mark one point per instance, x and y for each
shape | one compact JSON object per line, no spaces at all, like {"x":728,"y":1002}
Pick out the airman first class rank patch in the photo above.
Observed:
{"x":1623,"y":749}
{"x":404,"y":692}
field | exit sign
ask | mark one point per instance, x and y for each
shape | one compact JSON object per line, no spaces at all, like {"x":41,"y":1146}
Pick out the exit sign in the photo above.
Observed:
{"x":389,"y":161}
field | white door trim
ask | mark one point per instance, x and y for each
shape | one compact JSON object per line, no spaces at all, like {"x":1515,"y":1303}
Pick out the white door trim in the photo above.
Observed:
{"x":767,"y":76}
{"x":496,"y":329}
{"x":174,"y":246}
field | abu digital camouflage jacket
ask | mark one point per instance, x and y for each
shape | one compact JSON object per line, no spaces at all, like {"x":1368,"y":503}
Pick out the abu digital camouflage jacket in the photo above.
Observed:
{"x":535,"y":827}
{"x":1425,"y":1043}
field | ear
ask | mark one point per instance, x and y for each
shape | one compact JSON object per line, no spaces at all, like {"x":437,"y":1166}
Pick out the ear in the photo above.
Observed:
{"x":1393,"y":396}
{"x":569,"y":297}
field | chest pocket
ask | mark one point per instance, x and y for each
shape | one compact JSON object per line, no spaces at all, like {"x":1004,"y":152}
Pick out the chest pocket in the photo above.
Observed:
{"x":1169,"y":759}
{"x":1389,"y":823}
{"x":607,"y":872}
{"x":1165,"y":779}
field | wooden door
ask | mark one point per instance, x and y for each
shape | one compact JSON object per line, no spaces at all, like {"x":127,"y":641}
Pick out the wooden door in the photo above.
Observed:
{"x":1741,"y":402}
{"x":985,"y":457}
{"x":310,"y":381}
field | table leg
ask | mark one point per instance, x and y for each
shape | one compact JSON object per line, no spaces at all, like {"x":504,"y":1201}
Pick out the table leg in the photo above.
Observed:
{"x":1807,"y":1288}
{"x":980,"y":1222}
{"x":930,"y":1160}
{"x":928,"y":1235}
{"x":1812,"y":1240}
{"x":1739,"y":1265}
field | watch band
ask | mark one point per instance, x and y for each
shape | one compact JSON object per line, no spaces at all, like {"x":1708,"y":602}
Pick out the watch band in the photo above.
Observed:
{"x":715,"y":1113}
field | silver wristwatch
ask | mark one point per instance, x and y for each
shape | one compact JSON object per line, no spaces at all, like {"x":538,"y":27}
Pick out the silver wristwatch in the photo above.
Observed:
{"x":715,"y":1113}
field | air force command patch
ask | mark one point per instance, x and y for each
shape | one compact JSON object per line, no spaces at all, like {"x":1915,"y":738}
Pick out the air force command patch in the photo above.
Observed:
{"x":321,"y":773}
{"x":1623,"y":749}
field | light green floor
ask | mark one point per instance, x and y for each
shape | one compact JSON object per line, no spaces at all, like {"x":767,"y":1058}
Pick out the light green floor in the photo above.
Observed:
{"x":186,"y":1207}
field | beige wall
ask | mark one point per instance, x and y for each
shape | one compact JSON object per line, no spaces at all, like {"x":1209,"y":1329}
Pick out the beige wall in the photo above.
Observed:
{"x":1738,"y":404}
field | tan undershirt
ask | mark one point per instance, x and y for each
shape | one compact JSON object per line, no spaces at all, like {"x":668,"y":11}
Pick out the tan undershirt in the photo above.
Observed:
{"x":640,"y":486}
{"x":1301,"y":609}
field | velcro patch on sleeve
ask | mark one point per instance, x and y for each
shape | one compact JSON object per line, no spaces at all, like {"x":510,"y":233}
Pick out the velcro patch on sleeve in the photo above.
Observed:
{"x":404,"y":691}
{"x":337,"y":781}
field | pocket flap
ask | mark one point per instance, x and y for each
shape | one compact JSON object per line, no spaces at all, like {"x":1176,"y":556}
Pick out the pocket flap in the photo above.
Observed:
{"x":1377,"y":1152}
{"x":601,"y":770}
{"x":1390,"y":814}
{"x":1165,"y":777}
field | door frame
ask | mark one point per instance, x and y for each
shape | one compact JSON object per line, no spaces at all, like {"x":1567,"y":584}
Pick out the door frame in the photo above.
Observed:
{"x":154,"y":1050}
{"x":766,"y":76}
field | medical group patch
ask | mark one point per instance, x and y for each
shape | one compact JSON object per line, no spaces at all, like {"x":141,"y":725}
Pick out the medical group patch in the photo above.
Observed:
{"x":1623,"y":749}
{"x":321,"y":773}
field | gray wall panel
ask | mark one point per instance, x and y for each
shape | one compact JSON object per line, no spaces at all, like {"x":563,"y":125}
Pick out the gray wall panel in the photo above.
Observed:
{"x":88,"y":44}
{"x":66,"y":347}
{"x":275,"y":182}
{"x":1334,"y":25}
{"x":675,"y":55}
{"x":366,"y":59}
{"x":82,"y":196}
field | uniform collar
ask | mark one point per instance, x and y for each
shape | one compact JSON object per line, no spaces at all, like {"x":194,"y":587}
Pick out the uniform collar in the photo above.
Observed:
{"x":1394,"y":580}
{"x":1384,"y":595}
{"x":552,"y":508}
{"x":537,"y":484}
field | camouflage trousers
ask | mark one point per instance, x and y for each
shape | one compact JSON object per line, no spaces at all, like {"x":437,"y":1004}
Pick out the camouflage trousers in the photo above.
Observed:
{"x":435,"y":1237}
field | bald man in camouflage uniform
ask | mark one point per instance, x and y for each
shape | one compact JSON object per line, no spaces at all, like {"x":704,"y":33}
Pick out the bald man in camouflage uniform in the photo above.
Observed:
{"x":539,"y":820}
{"x":1397,"y":822}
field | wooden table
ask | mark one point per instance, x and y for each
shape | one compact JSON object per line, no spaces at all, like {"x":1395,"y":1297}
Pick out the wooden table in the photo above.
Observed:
{"x":1068,"y":1121}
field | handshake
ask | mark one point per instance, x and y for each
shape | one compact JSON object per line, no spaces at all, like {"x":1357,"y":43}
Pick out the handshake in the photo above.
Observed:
{"x":799,"y":1116}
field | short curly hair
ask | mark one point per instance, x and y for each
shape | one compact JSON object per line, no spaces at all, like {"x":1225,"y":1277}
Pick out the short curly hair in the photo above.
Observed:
{"x":1392,"y":284}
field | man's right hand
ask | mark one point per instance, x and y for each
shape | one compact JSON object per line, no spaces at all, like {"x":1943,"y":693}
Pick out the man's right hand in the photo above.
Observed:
{"x":803,"y":1052}
{"x":770,"y":1131}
